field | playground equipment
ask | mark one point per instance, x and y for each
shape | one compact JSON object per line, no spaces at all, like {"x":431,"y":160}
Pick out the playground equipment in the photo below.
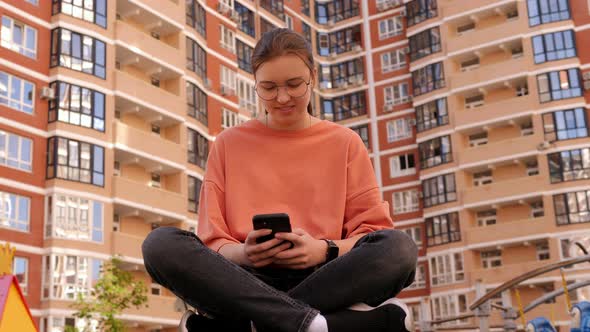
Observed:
{"x":581,"y":317}
{"x":539,"y":324}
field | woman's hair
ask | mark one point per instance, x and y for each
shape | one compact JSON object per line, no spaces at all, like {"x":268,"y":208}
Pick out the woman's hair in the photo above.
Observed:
{"x":279,"y":42}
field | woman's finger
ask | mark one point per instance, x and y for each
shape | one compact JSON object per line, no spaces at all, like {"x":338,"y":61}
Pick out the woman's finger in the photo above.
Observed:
{"x":253,"y":235}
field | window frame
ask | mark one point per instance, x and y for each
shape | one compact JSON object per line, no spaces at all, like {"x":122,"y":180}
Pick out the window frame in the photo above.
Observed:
{"x":197,"y":105}
{"x":409,"y":201}
{"x":439,"y":190}
{"x":196,"y":17}
{"x":25,"y":283}
{"x":566,"y":162}
{"x":24,"y":87}
{"x":555,"y":119}
{"x":244,"y":55}
{"x":21,"y":47}
{"x":443,"y":262}
{"x":98,"y":18}
{"x":564,"y":213}
{"x":431,"y":108}
{"x":11,"y":218}
{"x":387,"y":63}
{"x":96,"y":121}
{"x":555,"y":79}
{"x":20,"y":162}
{"x":68,"y":209}
{"x":398,"y":129}
{"x":390,"y":91}
{"x":196,"y":58}
{"x":428,"y":78}
{"x":197,"y":148}
{"x":447,"y":231}
{"x":193,"y":202}
{"x":58,"y":55}
{"x":96,"y":168}
{"x":390,"y":27}
{"x":429,"y":157}
{"x":363,"y":132}
{"x":424,"y":44}
{"x":395,"y":165}
{"x":343,"y":107}
{"x":419,"y":11}
{"x":537,"y":19}
{"x":549,"y":43}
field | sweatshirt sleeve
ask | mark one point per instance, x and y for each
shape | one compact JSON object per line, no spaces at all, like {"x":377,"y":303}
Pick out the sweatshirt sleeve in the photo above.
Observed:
{"x":365,"y":210}
{"x":212,"y":228}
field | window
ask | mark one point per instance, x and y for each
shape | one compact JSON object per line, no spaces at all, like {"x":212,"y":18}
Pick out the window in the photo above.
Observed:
{"x":289,"y":22}
{"x":392,"y":60}
{"x":19,"y":37}
{"x":16,"y":151}
{"x":572,"y":207}
{"x":198,"y":148}
{"x":335,"y":11}
{"x":439,"y":190}
{"x":390,"y":27}
{"x":67,"y":276}
{"x":306,"y":30}
{"x":17,"y":93}
{"x":563,"y":125}
{"x":275,"y":7}
{"x":78,"y":52}
{"x":305,"y":7}
{"x":344,"y":40}
{"x":74,"y":218}
{"x":266,"y":26}
{"x":428,"y":78}
{"x":405,"y":201}
{"x":227,"y":39}
{"x":424,"y":44}
{"x":436,"y":151}
{"x":396,"y":94}
{"x":363,"y":132}
{"x":526,"y":129}
{"x":15,"y":211}
{"x":194,"y":191}
{"x":246,"y":22}
{"x":33,"y":2}
{"x":196,"y":101}
{"x":486,"y":218}
{"x":416,"y":234}
{"x":342,"y":74}
{"x":20,"y":269}
{"x":77,"y":105}
{"x":230,"y":118}
{"x":196,"y":17}
{"x":244,"y":53}
{"x":420,"y":10}
{"x":227,"y":80}
{"x":569,"y":165}
{"x":543,"y":253}
{"x":546,"y":11}
{"x":419,"y":279}
{"x":537,"y":210}
{"x":398,"y":129}
{"x":196,"y":58}
{"x":446,"y":269}
{"x":443,"y":229}
{"x":93,"y":11}
{"x":402,"y":165}
{"x":569,"y":248}
{"x":343,"y":107}
{"x":73,"y":160}
{"x":447,"y":306}
{"x":557,"y":85}
{"x":491,"y":259}
{"x":432,"y":114}
{"x":554,"y":46}
{"x":247,"y":96}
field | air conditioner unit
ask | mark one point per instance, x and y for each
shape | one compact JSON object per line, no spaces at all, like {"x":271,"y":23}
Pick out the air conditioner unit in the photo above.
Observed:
{"x":117,"y":169}
{"x":330,"y":22}
{"x":412,"y":122}
{"x":586,"y":85}
{"x":227,"y":91}
{"x":207,"y":83}
{"x":388,"y":108}
{"x":403,"y":12}
{"x":235,"y":16}
{"x":474,"y":104}
{"x":325,"y":85}
{"x":381,"y":6}
{"x":406,"y":50}
{"x":544,"y":145}
{"x":586,"y":76}
{"x":47,"y":93}
{"x":357,"y":48}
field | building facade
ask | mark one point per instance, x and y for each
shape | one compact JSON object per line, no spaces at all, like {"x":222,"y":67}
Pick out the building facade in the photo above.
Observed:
{"x":474,"y":114}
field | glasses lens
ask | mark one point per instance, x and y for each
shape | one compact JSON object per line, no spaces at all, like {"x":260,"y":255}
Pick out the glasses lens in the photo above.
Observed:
{"x":297,"y":89}
{"x":267,"y":91}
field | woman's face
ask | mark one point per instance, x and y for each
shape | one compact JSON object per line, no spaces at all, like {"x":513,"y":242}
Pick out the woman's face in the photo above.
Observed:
{"x":282,"y":87}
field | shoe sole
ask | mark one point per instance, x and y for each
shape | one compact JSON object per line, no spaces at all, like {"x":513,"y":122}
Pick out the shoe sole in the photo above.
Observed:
{"x":408,"y":321}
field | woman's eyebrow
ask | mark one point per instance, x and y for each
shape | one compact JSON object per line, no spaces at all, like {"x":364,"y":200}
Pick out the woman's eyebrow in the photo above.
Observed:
{"x":293,"y":78}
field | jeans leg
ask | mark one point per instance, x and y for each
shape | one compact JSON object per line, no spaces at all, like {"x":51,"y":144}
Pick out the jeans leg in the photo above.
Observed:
{"x":179,"y":261}
{"x":378,"y":267}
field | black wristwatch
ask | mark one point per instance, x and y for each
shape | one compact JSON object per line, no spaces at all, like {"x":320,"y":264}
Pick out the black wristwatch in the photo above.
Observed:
{"x":332,"y":251}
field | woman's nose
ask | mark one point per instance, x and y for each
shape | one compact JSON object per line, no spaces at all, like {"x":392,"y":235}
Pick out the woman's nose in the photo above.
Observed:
{"x":282,"y":95}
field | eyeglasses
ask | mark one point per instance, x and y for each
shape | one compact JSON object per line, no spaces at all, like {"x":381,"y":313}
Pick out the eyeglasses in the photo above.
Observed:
{"x":296,"y":88}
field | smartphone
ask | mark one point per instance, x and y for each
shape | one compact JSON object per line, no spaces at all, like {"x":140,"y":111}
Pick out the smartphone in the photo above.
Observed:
{"x":277,"y":222}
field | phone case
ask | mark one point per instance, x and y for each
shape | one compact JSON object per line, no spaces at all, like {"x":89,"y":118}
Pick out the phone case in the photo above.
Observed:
{"x":277,"y":222}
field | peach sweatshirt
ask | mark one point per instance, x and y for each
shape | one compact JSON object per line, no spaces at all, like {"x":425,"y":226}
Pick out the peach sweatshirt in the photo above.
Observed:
{"x":321,"y":176}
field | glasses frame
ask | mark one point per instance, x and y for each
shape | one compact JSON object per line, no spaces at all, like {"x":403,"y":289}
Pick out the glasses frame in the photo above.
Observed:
{"x":283,"y":85}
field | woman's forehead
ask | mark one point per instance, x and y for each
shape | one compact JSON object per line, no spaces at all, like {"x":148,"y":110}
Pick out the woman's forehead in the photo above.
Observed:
{"x":282,"y":68}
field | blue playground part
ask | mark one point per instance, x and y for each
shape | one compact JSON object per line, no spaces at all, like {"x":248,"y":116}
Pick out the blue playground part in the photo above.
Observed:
{"x":539,"y":324}
{"x":581,"y":317}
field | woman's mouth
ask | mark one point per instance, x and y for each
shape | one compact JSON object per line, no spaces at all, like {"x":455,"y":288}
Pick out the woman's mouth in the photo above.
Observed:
{"x":285,"y":109}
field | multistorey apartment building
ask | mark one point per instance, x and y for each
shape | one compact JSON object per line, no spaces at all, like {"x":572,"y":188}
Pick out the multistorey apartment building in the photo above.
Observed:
{"x":473,"y":113}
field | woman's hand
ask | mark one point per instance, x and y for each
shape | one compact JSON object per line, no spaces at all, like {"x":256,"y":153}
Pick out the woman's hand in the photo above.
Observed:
{"x":263,"y":254}
{"x":306,"y":251}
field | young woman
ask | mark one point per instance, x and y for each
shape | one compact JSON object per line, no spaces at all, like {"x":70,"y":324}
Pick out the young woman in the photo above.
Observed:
{"x":342,"y":264}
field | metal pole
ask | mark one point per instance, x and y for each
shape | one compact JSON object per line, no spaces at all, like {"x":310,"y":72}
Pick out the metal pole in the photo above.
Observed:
{"x":510,"y":315}
{"x":482,"y":312}
{"x":426,"y":318}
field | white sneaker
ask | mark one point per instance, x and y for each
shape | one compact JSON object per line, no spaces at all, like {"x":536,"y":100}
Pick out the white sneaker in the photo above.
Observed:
{"x":408,"y":321}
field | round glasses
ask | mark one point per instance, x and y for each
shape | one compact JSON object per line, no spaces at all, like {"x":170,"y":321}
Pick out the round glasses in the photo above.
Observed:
{"x":296,"y":88}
